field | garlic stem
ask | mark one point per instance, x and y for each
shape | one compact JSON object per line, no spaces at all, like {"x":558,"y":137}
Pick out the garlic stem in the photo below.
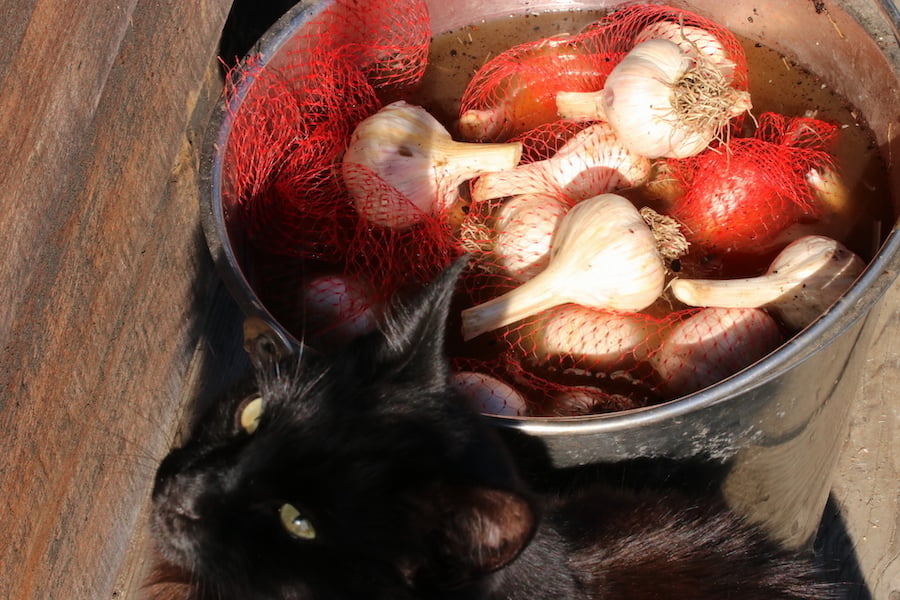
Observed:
{"x":402,"y":166}
{"x":806,"y":278}
{"x":604,"y":256}
{"x":592,"y":162}
{"x":581,"y":106}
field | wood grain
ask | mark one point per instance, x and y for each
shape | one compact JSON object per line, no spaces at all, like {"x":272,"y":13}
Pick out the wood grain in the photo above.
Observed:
{"x":101,"y":279}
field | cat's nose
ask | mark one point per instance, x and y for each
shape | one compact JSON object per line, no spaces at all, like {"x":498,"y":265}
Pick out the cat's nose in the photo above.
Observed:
{"x":179,"y":494}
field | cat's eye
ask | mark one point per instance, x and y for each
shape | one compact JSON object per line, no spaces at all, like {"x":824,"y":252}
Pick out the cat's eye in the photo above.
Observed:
{"x":295,"y":523}
{"x":249,"y":413}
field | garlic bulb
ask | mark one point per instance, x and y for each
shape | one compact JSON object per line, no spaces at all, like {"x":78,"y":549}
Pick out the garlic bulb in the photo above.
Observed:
{"x":337,"y":309}
{"x":660,"y":102}
{"x":524,"y":232}
{"x":604,"y":256}
{"x":696,"y":42}
{"x":711,"y":345}
{"x":490,"y":395}
{"x":418,"y":164}
{"x":806,"y":278}
{"x":592,"y":162}
{"x":594,"y":339}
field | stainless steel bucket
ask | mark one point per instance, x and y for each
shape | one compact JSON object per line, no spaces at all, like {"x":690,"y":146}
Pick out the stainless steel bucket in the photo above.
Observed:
{"x":775,"y":428}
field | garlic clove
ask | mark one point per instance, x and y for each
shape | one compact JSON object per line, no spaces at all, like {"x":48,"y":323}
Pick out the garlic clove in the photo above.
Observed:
{"x":524,"y":233}
{"x":490,"y":395}
{"x":712,"y":344}
{"x":803,"y":281}
{"x":402,"y":166}
{"x":604,"y":256}
{"x":660,"y":102}
{"x":592,"y":162}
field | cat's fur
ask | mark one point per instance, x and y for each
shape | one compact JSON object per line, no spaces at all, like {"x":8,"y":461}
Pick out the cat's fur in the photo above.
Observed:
{"x":413,"y":496}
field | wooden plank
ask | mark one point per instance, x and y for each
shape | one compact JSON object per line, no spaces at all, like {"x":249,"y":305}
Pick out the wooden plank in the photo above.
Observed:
{"x":99,"y":278}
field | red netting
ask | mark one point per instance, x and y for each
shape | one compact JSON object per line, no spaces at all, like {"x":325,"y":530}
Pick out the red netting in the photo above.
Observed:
{"x":568,"y":159}
{"x":283,"y":156}
{"x":739,"y":197}
{"x":516,"y":90}
{"x":573,"y":361}
{"x":626,"y":27}
{"x":332,"y":234}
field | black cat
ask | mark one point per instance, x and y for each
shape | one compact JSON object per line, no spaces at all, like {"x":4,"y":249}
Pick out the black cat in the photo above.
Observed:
{"x":365,"y":475}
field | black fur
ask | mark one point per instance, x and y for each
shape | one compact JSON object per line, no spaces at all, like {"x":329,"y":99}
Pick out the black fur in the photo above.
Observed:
{"x":413,"y":496}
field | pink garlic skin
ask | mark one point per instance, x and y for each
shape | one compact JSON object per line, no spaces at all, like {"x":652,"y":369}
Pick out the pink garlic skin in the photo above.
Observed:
{"x":525,"y":227}
{"x":337,"y":309}
{"x":490,"y":395}
{"x":711,"y":345}
{"x":595,"y":339}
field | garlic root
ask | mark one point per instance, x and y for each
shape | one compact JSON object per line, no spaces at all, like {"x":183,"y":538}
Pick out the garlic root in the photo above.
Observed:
{"x":803,"y":281}
{"x":605,"y":256}
{"x":407,"y":149}
{"x":592,"y":162}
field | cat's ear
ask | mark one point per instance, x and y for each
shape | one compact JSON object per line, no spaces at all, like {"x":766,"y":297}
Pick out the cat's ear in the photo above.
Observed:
{"x":468,"y":532}
{"x":264,"y":343}
{"x":413,"y":332}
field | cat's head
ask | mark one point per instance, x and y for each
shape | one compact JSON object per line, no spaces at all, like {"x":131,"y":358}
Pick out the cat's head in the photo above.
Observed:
{"x":360,"y":475}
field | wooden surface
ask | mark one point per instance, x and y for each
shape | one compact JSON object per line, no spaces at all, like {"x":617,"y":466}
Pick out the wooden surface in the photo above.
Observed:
{"x":111,"y":316}
{"x":103,"y":275}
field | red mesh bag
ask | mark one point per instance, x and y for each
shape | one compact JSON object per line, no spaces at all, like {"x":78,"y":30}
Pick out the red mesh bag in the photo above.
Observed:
{"x":624,"y":28}
{"x":288,"y":135}
{"x":739,"y":197}
{"x":516,"y":90}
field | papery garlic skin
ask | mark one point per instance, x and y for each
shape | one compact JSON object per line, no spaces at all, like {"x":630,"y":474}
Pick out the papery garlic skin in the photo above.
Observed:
{"x":604,"y":256}
{"x":696,"y":42}
{"x":490,"y":395}
{"x":417,"y":162}
{"x":597,"y":340}
{"x":803,"y":281}
{"x":593,"y":162}
{"x":524,"y":233}
{"x":640,"y":102}
{"x":711,"y":345}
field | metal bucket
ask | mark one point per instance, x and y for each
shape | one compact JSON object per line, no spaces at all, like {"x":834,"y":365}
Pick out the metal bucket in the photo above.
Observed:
{"x":774,"y":429}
